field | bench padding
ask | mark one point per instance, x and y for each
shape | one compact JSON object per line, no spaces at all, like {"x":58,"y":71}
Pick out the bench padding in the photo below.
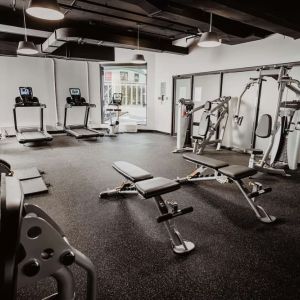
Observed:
{"x":205,"y":161}
{"x":237,"y":172}
{"x":156,"y":187}
{"x":131,"y":172}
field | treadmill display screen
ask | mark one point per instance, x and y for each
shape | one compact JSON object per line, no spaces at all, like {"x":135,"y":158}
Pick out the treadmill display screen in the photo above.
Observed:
{"x":75,"y":92}
{"x":25,"y":91}
{"x":117,"y":98}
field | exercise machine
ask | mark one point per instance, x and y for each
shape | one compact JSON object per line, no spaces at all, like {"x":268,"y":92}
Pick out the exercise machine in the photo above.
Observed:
{"x":113,"y":113}
{"x":33,"y":247}
{"x":79,"y":131}
{"x":142,"y":183}
{"x":208,"y":169}
{"x":283,"y":131}
{"x":30,"y":179}
{"x":32,"y":134}
{"x":184,"y":126}
{"x":210,"y":130}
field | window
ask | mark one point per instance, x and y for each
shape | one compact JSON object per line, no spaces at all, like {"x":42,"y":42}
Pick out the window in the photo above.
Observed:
{"x":131,"y":81}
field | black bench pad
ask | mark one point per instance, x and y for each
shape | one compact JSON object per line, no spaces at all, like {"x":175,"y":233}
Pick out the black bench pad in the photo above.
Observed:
{"x":205,"y":161}
{"x":237,"y":171}
{"x":130,"y":171}
{"x":156,"y":186}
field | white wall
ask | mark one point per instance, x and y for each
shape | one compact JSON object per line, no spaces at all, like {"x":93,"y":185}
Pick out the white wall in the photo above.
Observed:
{"x":275,"y":49}
{"x":39,"y":74}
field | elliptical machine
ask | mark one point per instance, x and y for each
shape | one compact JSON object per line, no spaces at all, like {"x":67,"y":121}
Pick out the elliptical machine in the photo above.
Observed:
{"x":113,"y":112}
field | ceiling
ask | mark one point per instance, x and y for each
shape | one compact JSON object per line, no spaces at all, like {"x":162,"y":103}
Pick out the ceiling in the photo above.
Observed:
{"x":161,"y":21}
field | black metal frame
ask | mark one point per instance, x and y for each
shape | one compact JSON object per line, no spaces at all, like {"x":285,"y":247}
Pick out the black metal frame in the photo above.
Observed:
{"x":86,"y":115}
{"x":41,"y":106}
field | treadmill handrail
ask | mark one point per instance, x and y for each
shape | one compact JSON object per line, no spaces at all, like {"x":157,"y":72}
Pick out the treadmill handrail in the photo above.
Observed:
{"x":40,"y":105}
{"x":80,"y":105}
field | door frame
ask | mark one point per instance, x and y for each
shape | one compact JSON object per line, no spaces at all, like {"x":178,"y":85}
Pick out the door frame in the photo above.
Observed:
{"x":174,"y":78}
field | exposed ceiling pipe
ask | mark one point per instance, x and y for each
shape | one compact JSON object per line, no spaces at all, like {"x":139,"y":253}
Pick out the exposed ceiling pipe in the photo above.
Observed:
{"x":20,"y":31}
{"x":126,"y":19}
{"x":65,"y":35}
{"x":148,"y":16}
{"x":69,"y":10}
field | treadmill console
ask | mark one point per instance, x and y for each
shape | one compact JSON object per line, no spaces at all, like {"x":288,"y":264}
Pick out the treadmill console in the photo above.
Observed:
{"x":76,"y":99}
{"x":26,"y":97}
{"x":116,"y":99}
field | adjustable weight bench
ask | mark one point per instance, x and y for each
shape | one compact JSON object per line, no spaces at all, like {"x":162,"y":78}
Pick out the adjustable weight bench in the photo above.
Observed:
{"x":213,"y":169}
{"x":141,"y":182}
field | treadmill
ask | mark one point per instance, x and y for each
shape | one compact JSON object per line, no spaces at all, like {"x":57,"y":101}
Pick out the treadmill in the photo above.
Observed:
{"x":32,"y":134}
{"x":79,"y":131}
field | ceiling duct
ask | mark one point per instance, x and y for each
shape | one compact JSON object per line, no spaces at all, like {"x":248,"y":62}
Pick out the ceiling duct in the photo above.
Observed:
{"x":95,"y":37}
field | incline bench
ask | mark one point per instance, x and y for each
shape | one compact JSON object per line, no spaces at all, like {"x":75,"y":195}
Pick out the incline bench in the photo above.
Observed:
{"x":139,"y":181}
{"x":223,"y":172}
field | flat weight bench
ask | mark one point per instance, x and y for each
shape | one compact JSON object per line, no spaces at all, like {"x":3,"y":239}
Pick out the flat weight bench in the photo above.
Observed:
{"x":31,"y":179}
{"x":225,"y":173}
{"x":139,"y":181}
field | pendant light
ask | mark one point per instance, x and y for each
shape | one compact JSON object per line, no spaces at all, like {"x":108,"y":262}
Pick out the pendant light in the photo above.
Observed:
{"x":25,"y":47}
{"x":45,"y":9}
{"x":210,"y":38}
{"x":138,"y":58}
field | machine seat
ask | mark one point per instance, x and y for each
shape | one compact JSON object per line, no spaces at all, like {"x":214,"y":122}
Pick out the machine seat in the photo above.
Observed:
{"x":156,"y":187}
{"x":236,"y":172}
{"x":205,"y":161}
{"x":130,"y":171}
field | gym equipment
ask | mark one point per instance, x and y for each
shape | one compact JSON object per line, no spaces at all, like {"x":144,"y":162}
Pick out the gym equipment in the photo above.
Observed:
{"x":79,"y":131}
{"x":141,"y":182}
{"x":184,"y":125}
{"x":32,"y":134}
{"x":31,"y":178}
{"x":113,"y":112}
{"x":276,"y":157}
{"x":223,"y":172}
{"x":294,"y":141}
{"x":207,"y":128}
{"x":33,"y":247}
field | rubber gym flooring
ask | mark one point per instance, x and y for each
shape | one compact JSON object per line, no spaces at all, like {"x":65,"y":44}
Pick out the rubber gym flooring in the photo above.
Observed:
{"x":236,"y":256}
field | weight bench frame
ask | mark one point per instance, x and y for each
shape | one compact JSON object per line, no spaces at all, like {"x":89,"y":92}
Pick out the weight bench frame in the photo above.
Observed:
{"x":168,"y":209}
{"x":200,"y":174}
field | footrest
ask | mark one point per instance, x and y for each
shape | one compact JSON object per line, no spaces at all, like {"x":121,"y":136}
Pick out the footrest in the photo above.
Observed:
{"x":178,"y":213}
{"x":237,"y":172}
{"x":260,"y":192}
{"x":156,"y":186}
{"x":205,"y":161}
{"x":131,"y":172}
